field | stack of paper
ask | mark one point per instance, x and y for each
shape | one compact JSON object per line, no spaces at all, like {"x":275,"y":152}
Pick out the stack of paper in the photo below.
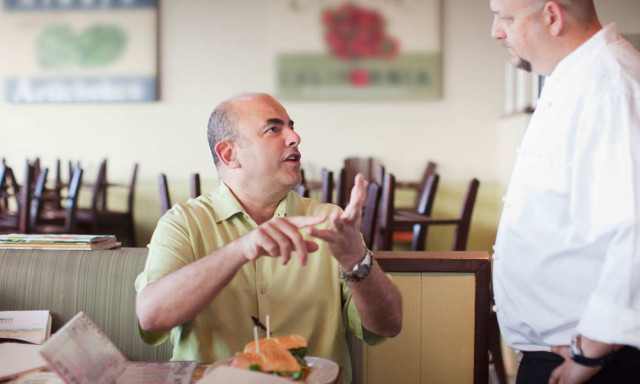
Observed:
{"x":28,"y":326}
{"x":80,"y":353}
{"x":77,"y":242}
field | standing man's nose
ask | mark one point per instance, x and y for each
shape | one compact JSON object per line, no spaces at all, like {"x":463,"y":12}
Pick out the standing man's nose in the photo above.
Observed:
{"x":496,"y":29}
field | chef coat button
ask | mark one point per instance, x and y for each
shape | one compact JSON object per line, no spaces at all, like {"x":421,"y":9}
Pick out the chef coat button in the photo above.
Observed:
{"x":495,"y":309}
{"x":495,"y":256}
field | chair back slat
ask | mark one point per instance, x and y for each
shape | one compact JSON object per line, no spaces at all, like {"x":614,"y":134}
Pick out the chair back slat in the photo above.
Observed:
{"x":462,"y":232}
{"x":165,"y":199}
{"x":428,"y":171}
{"x":38,"y":194}
{"x":384,"y":232}
{"x":327,"y":186}
{"x":75,"y":185}
{"x":132,"y":190}
{"x":370,"y":214}
{"x":195,"y":185}
{"x":24,"y":200}
{"x":425,"y":207}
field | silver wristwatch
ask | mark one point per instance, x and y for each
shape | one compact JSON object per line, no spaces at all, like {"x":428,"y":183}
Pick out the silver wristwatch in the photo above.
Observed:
{"x":360,"y":270}
{"x":575,"y":351}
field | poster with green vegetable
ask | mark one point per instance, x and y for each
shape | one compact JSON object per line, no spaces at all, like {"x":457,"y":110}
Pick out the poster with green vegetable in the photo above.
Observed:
{"x":342,"y":50}
{"x":67,"y":51}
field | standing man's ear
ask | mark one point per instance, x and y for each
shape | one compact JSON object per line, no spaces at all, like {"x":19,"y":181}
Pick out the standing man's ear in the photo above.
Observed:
{"x":553,"y":18}
{"x":226,"y":151}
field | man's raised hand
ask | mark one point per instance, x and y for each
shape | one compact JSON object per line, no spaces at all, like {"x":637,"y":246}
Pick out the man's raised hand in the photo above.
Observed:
{"x":279,"y":237}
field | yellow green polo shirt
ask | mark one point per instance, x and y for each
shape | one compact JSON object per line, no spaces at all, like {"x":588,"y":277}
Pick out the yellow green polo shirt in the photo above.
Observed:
{"x":307,"y":300}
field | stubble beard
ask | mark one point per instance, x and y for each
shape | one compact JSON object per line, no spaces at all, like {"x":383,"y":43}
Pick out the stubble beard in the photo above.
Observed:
{"x":523,"y":64}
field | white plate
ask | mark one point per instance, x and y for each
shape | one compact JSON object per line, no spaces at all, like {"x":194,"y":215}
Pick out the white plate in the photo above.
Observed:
{"x":323,"y":371}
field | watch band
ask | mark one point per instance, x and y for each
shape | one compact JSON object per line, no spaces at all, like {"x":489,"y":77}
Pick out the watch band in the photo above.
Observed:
{"x":575,"y":351}
{"x":360,"y":270}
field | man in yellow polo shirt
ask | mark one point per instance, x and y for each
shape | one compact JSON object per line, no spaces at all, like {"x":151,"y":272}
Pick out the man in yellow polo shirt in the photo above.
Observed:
{"x":253,"y":247}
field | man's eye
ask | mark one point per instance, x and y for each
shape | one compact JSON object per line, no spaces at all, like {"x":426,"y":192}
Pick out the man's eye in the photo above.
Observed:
{"x":272,"y":129}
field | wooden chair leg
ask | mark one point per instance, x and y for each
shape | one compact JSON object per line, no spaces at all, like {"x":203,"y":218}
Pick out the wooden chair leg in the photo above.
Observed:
{"x":495,"y":348}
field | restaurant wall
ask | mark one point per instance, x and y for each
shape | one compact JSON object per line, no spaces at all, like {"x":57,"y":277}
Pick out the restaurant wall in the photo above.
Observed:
{"x":210,"y":50}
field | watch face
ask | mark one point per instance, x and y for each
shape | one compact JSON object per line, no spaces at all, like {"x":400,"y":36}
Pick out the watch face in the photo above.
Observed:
{"x":363,"y":271}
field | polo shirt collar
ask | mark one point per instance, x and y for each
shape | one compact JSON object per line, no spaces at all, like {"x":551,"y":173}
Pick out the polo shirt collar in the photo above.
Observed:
{"x":227,"y":205}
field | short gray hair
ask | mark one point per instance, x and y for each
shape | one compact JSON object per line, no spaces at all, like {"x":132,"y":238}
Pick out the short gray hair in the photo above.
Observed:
{"x":222,"y":127}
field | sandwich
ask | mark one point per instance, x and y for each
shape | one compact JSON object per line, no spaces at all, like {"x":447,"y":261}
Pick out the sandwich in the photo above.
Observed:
{"x":295,"y":344}
{"x":278,"y":361}
{"x":282,"y":355}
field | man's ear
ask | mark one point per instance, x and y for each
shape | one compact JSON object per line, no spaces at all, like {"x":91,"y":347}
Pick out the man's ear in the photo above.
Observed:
{"x":553,"y":18}
{"x":226,"y":151}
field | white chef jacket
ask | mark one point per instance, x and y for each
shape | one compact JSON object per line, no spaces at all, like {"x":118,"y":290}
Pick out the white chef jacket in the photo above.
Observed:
{"x":567,"y":253}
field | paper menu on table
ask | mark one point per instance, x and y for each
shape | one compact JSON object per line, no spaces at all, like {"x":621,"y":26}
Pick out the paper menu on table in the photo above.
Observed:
{"x":81,"y":353}
{"x":19,"y":359}
{"x":30,"y":326}
{"x":158,"y":372}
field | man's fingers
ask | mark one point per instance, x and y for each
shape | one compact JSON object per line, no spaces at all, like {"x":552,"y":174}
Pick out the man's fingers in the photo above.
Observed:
{"x":295,"y":239}
{"x":322,"y":234}
{"x":311,"y":246}
{"x":280,"y":237}
{"x":358,"y":195}
{"x":305,"y":221}
{"x":556,"y":375}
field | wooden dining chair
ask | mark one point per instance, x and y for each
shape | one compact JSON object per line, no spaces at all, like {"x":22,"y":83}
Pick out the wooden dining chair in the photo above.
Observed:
{"x":99,"y":219}
{"x":45,"y":222}
{"x":404,"y":218}
{"x":163,"y":188}
{"x":462,"y":223}
{"x":60,"y":184}
{"x":417,"y":187}
{"x":17,"y":221}
{"x":347,"y":174}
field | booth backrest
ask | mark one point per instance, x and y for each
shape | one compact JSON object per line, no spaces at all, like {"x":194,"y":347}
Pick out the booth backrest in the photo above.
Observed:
{"x":100,"y":283}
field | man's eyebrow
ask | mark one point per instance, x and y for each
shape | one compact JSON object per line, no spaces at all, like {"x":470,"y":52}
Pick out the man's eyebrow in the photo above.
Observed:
{"x":278,"y":122}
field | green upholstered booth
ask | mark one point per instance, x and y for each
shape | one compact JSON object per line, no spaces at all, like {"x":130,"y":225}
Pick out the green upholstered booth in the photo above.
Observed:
{"x":100,"y":283}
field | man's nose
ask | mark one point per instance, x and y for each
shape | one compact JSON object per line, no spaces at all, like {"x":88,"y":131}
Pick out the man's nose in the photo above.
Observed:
{"x":293,"y":139}
{"x":497,"y":32}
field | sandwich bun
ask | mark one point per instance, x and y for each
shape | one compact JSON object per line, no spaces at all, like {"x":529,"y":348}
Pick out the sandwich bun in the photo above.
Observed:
{"x":271,"y":360}
{"x":282,"y":342}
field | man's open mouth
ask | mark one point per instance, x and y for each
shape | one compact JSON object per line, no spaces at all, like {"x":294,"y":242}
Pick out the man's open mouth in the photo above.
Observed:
{"x":294,"y":157}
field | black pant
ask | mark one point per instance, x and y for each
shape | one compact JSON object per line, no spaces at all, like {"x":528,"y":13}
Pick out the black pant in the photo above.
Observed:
{"x":536,"y":368}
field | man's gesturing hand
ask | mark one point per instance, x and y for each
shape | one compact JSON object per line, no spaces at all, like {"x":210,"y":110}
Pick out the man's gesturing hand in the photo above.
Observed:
{"x":343,"y":235}
{"x":279,"y":237}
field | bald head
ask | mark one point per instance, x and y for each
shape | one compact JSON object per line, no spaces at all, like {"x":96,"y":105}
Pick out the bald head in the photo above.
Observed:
{"x":583,"y":11}
{"x":224,"y":120}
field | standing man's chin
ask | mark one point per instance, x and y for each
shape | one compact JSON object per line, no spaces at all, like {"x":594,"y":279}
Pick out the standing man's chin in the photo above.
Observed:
{"x":523,"y":64}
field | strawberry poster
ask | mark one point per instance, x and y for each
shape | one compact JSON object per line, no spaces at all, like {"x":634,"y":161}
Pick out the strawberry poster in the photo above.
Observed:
{"x":65,"y":51}
{"x":357,"y":50}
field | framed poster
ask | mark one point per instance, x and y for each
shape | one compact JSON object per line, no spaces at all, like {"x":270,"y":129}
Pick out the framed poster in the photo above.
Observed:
{"x":356,"y":50}
{"x":79,"y":50}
